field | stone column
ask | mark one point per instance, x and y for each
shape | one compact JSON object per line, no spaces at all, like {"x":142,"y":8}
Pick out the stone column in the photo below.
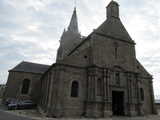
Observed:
{"x":95,"y":104}
{"x":107,"y":104}
{"x":130,"y":99}
{"x":88,"y":104}
{"x":105,"y":85}
{"x":95,"y":84}
{"x":89,"y":87}
{"x":129,"y":96}
{"x":139,"y":96}
{"x":108,"y":96}
{"x":50,"y":94}
{"x":138,"y":89}
{"x":131,"y":90}
{"x":58,"y":111}
{"x":129,"y":81}
{"x":44,"y":92}
{"x":47,"y":92}
{"x":152,"y":97}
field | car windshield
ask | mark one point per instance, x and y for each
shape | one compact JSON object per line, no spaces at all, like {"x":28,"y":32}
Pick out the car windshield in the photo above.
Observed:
{"x":26,"y":101}
{"x":15,"y":101}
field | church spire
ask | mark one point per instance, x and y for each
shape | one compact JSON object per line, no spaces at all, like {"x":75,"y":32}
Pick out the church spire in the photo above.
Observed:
{"x":73,"y":26}
{"x":70,"y":38}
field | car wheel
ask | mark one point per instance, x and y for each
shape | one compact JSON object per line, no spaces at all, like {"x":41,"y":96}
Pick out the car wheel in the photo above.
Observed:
{"x":13,"y":108}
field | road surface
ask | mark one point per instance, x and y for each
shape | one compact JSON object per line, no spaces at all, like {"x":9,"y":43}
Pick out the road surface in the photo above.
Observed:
{"x":7,"y":116}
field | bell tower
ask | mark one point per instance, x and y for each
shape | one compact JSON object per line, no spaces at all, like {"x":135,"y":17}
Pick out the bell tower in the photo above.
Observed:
{"x":113,"y":9}
{"x":70,"y":38}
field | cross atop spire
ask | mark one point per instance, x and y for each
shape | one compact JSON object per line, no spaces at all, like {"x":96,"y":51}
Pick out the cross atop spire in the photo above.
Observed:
{"x":75,"y":3}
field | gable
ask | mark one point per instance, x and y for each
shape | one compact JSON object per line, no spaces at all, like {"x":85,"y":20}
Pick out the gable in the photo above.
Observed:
{"x":113,"y":27}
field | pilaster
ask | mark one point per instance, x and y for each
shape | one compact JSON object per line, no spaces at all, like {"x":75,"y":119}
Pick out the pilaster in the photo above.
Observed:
{"x":89,"y":87}
{"x":95,"y":84}
{"x":47,"y":92}
{"x":139,"y":96}
{"x":107,"y":104}
{"x":49,"y":107}
{"x":130,"y":104}
{"x":154,"y":110}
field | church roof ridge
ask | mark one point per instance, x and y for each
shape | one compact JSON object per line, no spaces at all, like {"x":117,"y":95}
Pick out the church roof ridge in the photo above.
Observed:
{"x":114,"y":2}
{"x":30,"y":67}
{"x":113,"y":26}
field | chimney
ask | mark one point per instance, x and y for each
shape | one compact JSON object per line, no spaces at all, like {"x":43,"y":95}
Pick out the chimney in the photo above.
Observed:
{"x":113,"y":9}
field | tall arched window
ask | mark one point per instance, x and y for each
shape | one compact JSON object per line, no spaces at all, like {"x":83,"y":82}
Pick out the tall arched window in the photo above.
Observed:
{"x":117,"y":78}
{"x":115,"y":44}
{"x":74,"y":89}
{"x":142,"y":94}
{"x":25,"y":86}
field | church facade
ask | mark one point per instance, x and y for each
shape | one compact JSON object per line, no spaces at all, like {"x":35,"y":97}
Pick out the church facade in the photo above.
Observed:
{"x":94,"y":76}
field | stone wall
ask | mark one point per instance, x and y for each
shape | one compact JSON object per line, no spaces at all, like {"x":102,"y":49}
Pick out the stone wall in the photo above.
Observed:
{"x":59,"y":98}
{"x":15,"y":82}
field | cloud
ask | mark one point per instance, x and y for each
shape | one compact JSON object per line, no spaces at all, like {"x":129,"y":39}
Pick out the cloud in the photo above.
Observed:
{"x":30,"y":29}
{"x":141,"y":19}
{"x":26,"y":34}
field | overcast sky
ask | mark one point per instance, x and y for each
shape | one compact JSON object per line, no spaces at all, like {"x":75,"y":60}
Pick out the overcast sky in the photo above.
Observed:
{"x":30,"y":30}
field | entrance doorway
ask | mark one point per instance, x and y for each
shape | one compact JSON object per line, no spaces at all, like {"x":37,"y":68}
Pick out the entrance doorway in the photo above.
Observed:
{"x":118,"y":103}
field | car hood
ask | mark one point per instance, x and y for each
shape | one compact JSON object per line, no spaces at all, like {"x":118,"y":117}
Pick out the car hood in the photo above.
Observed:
{"x":12,"y":104}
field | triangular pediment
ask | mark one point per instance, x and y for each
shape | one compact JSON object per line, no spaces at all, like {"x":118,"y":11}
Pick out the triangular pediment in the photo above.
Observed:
{"x":113,"y":27}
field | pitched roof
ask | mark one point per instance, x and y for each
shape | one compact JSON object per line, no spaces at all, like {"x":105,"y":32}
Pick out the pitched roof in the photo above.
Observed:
{"x":113,"y":27}
{"x":73,"y":26}
{"x":30,"y":67}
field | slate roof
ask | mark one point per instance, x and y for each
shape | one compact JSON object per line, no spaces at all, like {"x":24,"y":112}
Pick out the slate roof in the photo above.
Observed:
{"x":30,"y":67}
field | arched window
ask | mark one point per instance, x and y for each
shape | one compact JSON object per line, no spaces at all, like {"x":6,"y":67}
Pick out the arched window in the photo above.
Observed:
{"x":142,"y":94}
{"x":74,"y":89}
{"x":117,"y":79}
{"x":25,"y":86}
{"x":115,"y":44}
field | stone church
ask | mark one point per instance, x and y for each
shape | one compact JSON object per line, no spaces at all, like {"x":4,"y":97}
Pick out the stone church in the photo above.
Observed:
{"x":94,"y":76}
